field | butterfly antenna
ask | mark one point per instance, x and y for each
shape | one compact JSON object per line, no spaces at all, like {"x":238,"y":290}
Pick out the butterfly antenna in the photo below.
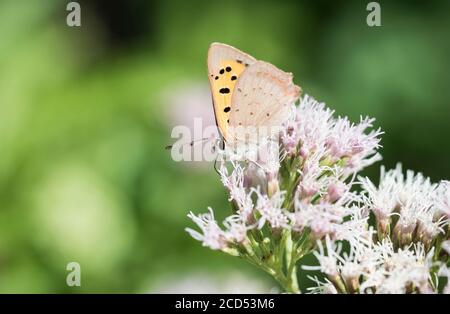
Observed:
{"x":191,"y":143}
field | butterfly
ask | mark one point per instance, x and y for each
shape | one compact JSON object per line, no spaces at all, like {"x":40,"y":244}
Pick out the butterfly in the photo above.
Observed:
{"x":248,"y":94}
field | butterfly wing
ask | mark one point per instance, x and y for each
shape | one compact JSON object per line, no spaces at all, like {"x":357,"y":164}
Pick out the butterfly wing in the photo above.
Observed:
{"x":262,"y":98}
{"x":225,"y":66}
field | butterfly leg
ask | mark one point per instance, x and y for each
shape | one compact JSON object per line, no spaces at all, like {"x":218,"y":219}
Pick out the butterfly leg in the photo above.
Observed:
{"x":222,"y":144}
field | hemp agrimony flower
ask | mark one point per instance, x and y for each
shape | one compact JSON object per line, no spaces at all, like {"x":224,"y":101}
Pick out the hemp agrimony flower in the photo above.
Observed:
{"x":307,"y":199}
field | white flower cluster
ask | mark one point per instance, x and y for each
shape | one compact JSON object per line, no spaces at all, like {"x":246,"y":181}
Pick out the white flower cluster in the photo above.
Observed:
{"x":411,"y":220}
{"x":374,"y":268}
{"x":316,"y":131}
{"x":409,"y":208}
{"x":308,"y":201}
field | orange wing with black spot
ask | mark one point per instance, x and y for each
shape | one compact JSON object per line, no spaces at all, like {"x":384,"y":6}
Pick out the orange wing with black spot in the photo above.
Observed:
{"x":225,"y":65}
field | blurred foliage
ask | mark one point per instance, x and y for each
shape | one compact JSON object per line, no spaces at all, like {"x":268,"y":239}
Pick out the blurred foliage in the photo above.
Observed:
{"x":83,"y":171}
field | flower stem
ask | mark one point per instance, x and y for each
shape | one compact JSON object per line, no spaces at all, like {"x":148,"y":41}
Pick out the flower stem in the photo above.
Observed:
{"x":291,"y":269}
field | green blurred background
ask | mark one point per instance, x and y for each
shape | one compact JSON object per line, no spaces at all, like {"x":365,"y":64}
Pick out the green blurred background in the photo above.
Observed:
{"x":85,"y":114}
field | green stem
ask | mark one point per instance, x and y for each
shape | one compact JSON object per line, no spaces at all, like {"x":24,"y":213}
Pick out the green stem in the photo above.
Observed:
{"x":291,"y":284}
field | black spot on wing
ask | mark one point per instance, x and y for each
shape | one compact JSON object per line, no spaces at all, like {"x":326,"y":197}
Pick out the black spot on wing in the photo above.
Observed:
{"x":226,"y":109}
{"x":224,"y":90}
{"x":234,"y":77}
